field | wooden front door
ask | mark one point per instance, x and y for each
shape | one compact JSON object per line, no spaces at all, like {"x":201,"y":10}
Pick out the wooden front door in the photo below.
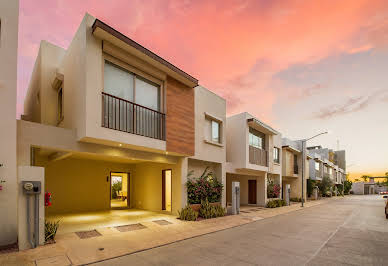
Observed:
{"x":252,"y":191}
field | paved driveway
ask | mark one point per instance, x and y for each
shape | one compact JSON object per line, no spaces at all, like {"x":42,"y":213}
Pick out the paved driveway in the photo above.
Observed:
{"x":349,"y":231}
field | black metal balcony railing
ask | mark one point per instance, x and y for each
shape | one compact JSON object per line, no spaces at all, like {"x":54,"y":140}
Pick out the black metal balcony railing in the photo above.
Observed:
{"x":258,"y":156}
{"x":126,"y":116}
{"x":296,"y":169}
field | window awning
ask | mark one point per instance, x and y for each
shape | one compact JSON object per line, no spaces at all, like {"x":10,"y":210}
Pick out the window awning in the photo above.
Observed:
{"x":290,"y":148}
{"x":107,"y":33}
{"x":260,"y":126}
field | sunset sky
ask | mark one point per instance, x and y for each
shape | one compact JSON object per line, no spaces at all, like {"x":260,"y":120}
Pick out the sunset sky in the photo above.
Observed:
{"x":301,"y":66}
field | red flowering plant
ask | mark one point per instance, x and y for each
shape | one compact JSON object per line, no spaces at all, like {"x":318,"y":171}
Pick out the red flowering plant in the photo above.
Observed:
{"x":273,"y":190}
{"x":204,"y":187}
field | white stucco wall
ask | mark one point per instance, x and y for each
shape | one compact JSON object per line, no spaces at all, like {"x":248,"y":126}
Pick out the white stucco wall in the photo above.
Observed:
{"x":9,"y":15}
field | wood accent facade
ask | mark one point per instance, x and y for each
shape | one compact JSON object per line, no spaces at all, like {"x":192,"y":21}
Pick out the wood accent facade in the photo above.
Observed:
{"x":180,"y":130}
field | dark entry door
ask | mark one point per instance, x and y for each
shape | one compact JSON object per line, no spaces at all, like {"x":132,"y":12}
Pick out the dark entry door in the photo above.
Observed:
{"x":252,"y":191}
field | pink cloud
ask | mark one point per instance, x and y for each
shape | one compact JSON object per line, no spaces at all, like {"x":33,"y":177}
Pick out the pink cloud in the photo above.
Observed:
{"x":233,"y":47}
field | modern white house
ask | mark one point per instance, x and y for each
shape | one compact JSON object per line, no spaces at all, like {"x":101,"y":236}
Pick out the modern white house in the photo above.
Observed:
{"x":253,"y":158}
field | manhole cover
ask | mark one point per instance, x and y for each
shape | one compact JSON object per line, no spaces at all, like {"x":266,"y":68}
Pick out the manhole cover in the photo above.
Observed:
{"x":130,"y":227}
{"x":88,"y":234}
{"x":162,"y":222}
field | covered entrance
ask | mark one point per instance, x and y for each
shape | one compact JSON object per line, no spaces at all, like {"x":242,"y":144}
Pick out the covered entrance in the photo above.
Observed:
{"x":90,"y":191}
{"x":252,"y":189}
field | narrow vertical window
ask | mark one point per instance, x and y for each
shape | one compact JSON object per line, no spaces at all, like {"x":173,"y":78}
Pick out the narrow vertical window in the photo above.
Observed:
{"x":215,"y":131}
{"x":276,"y":155}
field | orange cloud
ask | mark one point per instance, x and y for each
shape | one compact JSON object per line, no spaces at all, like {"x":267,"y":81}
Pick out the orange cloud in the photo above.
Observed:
{"x":233,"y":47}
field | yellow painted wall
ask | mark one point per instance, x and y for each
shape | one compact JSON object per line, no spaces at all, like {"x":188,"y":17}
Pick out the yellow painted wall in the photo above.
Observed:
{"x":79,"y":185}
{"x":147,"y":186}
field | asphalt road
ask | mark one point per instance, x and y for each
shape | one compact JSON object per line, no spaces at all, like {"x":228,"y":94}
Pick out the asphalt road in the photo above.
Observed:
{"x":346,"y":231}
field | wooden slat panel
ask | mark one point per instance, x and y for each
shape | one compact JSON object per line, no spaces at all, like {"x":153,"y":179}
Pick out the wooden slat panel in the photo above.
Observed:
{"x":180,"y":137}
{"x":258,"y":156}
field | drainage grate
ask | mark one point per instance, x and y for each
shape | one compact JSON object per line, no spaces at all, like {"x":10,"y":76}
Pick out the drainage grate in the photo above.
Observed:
{"x":88,"y":234}
{"x":130,"y":227}
{"x":162,"y":222}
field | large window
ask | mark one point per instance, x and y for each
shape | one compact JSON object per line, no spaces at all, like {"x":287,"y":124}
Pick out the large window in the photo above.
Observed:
{"x":131,"y":103}
{"x":256,"y":138}
{"x":131,"y":87}
{"x":276,"y":155}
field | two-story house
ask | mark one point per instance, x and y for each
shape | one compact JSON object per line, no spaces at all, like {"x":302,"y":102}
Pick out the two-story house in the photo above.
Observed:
{"x":253,"y":158}
{"x":292,"y":167}
{"x":106,"y":112}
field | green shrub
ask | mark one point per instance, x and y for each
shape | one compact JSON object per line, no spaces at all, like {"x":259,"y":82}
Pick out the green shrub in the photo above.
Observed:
{"x":295,"y":199}
{"x":219,"y":210}
{"x":328,"y":194}
{"x":188,"y":214}
{"x":347,"y":186}
{"x":310,"y":186}
{"x":206,"y":211}
{"x":276,"y":203}
{"x":205,"y":187}
{"x":50,"y":230}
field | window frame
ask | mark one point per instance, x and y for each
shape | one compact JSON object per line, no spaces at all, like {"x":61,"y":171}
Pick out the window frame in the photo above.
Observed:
{"x":253,"y":132}
{"x":315,"y":166}
{"x":212,"y":122}
{"x":138,"y":74}
{"x":276,"y":151}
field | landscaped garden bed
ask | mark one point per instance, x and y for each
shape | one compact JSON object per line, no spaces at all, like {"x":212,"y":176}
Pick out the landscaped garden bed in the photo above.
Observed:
{"x":203,"y":197}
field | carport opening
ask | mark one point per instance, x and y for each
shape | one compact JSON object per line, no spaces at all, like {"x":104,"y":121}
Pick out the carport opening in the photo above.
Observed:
{"x":119,"y":190}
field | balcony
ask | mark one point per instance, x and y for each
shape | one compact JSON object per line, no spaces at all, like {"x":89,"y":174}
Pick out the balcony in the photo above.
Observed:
{"x":122,"y":115}
{"x":296,"y":169}
{"x":317,"y":173}
{"x":258,"y":156}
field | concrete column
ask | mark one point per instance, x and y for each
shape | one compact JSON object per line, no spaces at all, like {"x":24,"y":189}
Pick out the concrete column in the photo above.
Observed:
{"x":223,"y":180}
{"x":29,"y":173}
{"x":184,"y":162}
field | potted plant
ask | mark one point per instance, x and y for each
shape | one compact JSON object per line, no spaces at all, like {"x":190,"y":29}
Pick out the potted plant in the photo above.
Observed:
{"x":205,"y":187}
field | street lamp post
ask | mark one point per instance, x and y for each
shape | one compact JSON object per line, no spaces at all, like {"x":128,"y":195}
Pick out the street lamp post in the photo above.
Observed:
{"x":304,"y":142}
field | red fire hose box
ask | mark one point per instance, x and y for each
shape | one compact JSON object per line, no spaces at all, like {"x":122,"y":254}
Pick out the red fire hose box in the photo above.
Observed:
{"x":47,"y":199}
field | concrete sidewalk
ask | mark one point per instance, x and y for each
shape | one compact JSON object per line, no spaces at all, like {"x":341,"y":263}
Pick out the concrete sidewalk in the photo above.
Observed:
{"x":112,"y":242}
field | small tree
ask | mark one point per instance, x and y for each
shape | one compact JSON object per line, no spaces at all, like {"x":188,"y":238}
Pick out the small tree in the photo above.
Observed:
{"x":347,"y":186}
{"x":365,"y":177}
{"x":325,"y":185}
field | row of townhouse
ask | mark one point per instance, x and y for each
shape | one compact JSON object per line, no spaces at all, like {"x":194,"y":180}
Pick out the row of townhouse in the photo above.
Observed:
{"x":327,"y":163}
{"x":108,"y":108}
